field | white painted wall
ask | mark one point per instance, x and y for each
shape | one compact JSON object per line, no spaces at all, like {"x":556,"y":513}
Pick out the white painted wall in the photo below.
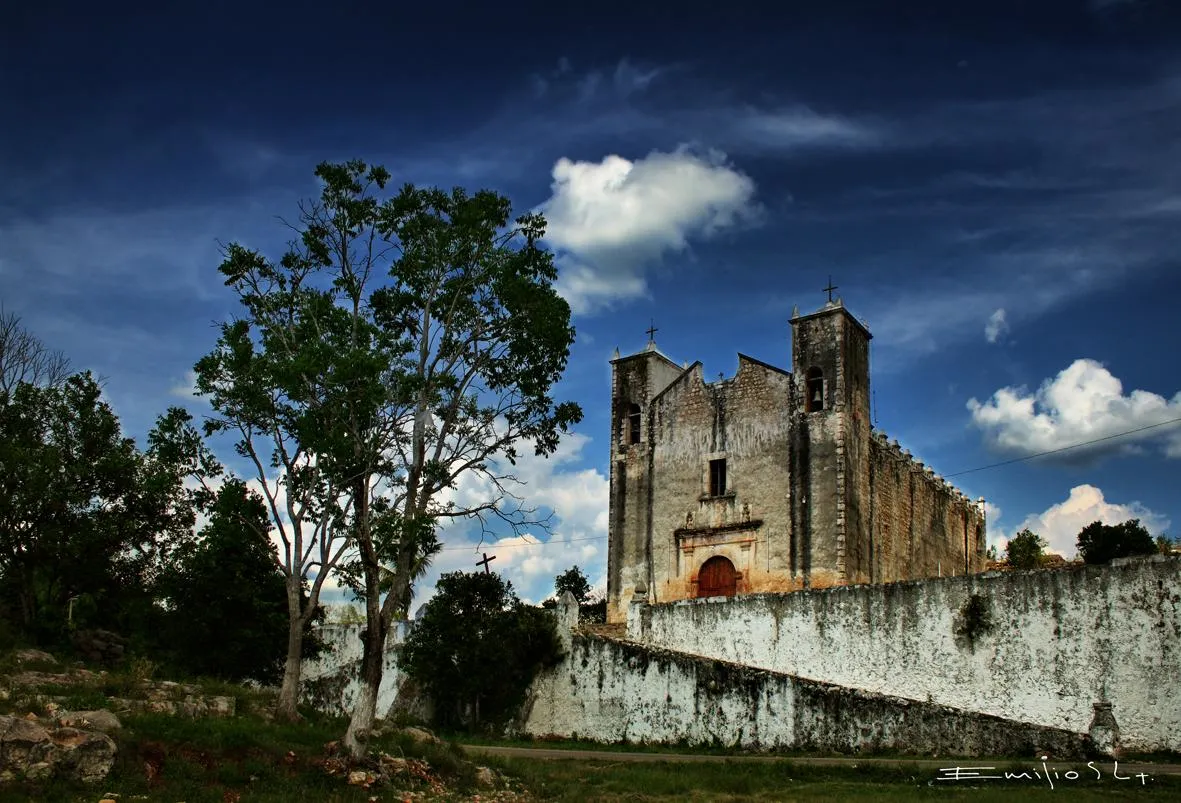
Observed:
{"x":334,"y":675}
{"x":1061,"y":641}
{"x":613,"y":691}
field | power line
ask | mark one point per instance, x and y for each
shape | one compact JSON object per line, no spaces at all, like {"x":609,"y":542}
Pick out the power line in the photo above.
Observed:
{"x":1064,"y":448}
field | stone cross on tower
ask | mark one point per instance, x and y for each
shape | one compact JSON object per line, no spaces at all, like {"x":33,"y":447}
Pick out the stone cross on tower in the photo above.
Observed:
{"x":830,"y":288}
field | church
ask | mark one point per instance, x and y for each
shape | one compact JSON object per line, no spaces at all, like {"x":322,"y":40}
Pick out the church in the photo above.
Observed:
{"x":771,"y":480}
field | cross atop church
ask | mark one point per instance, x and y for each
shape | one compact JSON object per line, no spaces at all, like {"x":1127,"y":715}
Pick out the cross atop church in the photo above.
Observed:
{"x":652,"y":330}
{"x":485,"y":562}
{"x":830,"y":288}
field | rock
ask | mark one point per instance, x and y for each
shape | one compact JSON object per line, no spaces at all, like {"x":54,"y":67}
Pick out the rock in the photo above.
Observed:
{"x":100,"y":720}
{"x":28,"y":656}
{"x":361,"y":778}
{"x":485,"y":777}
{"x":27,"y":749}
{"x":392,"y":765}
{"x":421,"y":735}
{"x":18,"y":739}
{"x":100,"y":646}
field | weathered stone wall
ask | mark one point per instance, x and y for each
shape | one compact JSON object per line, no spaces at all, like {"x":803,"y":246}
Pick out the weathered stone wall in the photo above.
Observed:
{"x":332,"y":683}
{"x":744,"y":421}
{"x":921,"y":525}
{"x":612,"y":691}
{"x":1039,"y":647}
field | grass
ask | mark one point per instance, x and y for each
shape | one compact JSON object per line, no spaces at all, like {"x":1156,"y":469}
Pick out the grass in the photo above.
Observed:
{"x":215,"y":760}
{"x":219,"y":760}
{"x":577,"y":780}
{"x":249,"y":758}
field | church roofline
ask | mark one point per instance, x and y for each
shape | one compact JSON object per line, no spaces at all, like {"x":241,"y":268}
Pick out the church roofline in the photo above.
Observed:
{"x":646,"y":353}
{"x":684,"y":373}
{"x":829,"y":309}
{"x":766,"y":365}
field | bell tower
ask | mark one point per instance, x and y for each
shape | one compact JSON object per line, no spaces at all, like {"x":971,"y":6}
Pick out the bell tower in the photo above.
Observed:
{"x":830,"y":426}
{"x":635,"y":380}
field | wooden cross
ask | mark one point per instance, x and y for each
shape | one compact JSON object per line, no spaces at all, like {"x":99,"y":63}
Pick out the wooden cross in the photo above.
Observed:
{"x":830,"y":288}
{"x":485,"y":562}
{"x":652,"y":330}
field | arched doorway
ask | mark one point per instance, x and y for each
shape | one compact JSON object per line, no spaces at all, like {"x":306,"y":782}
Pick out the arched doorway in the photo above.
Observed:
{"x":717,"y":578}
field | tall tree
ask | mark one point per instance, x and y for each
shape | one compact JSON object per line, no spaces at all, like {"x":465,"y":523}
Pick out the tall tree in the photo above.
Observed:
{"x":1099,"y":543}
{"x":401,"y":344}
{"x":277,"y":381}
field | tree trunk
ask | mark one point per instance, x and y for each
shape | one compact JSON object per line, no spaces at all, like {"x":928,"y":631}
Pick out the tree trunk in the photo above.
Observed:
{"x":286,"y":708}
{"x":372,"y":667}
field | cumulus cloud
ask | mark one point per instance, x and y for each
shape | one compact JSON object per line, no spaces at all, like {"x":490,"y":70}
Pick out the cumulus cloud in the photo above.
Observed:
{"x":1084,"y":402}
{"x":996,"y":326}
{"x":1060,"y":524}
{"x":610,"y":220}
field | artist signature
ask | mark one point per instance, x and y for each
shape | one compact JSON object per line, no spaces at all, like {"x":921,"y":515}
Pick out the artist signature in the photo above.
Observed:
{"x":1046,"y":773}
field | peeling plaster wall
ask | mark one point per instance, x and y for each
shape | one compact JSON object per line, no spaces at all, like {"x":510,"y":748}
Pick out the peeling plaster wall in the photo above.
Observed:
{"x":331,"y":683}
{"x":1060,"y":640}
{"x":612,"y":691}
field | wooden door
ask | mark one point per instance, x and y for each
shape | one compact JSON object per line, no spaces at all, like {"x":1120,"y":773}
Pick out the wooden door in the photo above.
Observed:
{"x":717,"y":578}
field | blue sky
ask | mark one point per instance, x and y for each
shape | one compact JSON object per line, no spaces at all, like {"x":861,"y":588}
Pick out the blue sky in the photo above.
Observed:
{"x":995,"y":189}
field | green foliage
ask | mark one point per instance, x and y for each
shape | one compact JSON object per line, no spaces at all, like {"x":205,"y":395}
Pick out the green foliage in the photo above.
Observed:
{"x":476,"y":648}
{"x":83,"y":514}
{"x":1099,"y":543}
{"x":228,"y":600}
{"x":1026,"y":550}
{"x":574,"y":581}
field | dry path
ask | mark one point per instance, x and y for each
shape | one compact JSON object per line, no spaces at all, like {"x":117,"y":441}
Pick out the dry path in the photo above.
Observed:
{"x":1129,"y":769}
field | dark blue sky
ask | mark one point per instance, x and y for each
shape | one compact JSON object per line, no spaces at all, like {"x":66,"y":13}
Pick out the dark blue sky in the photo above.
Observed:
{"x":995,"y":187}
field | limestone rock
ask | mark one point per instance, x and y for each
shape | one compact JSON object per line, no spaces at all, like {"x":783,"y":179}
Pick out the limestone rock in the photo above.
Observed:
{"x":28,"y":749}
{"x":421,"y":735}
{"x":100,"y":720}
{"x":28,"y":656}
{"x":485,"y":777}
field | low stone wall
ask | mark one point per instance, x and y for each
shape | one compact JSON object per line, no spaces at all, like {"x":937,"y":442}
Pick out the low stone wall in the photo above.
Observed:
{"x":331,"y":683}
{"x":611,"y":691}
{"x":1040,"y":647}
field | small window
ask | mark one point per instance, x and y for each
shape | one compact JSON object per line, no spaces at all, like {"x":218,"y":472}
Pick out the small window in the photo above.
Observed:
{"x":633,"y":423}
{"x":814,"y":391}
{"x":717,"y":477}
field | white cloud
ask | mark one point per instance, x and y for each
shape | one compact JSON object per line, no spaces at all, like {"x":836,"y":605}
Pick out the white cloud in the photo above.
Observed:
{"x":996,"y":326}
{"x":1060,"y":524}
{"x":609,"y":220}
{"x":800,"y":127}
{"x":1084,"y":402}
{"x":186,"y":389}
{"x":578,"y":499}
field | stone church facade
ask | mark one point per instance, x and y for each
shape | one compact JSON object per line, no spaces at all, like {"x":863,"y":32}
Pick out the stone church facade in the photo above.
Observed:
{"x":771,"y":481}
